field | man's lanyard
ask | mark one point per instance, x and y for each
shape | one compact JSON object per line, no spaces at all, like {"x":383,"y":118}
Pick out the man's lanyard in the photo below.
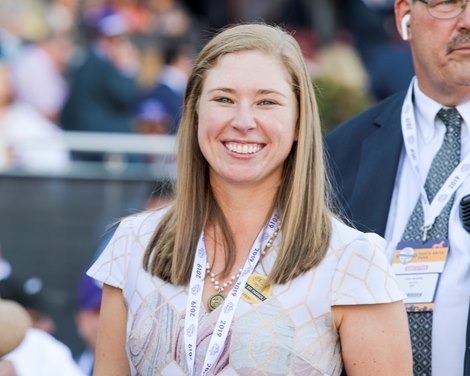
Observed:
{"x":196,"y":287}
{"x":408,"y":125}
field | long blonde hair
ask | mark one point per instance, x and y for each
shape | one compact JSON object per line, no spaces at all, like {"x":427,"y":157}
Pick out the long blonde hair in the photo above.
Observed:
{"x":303,"y":197}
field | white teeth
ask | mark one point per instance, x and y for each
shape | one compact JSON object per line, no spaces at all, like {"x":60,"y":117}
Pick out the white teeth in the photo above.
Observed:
{"x":243,"y":148}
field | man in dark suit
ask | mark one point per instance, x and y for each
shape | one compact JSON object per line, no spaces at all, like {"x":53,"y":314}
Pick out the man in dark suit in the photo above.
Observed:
{"x":103,"y":91}
{"x":380,"y":161}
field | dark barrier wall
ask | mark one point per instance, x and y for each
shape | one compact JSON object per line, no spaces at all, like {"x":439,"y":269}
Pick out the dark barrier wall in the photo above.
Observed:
{"x":51,"y":227}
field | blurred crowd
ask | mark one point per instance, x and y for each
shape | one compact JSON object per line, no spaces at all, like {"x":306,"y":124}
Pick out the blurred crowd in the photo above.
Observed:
{"x":121,"y":66}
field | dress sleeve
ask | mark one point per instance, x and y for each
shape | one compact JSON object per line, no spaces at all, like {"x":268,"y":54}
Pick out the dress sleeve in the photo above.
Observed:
{"x":111,"y":266}
{"x":363,"y":274}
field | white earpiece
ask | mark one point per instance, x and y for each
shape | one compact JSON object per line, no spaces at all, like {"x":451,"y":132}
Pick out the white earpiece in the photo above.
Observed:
{"x":405,"y":21}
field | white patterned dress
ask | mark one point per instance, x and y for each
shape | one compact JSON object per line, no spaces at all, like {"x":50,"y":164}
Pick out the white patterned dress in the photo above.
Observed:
{"x":290,"y":333}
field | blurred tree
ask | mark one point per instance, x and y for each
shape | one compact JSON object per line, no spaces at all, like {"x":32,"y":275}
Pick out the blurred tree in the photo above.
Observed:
{"x":338,"y":102}
{"x":341,"y":84}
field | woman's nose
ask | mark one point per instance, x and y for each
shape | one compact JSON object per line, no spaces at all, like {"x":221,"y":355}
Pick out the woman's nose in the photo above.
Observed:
{"x":244,"y":119}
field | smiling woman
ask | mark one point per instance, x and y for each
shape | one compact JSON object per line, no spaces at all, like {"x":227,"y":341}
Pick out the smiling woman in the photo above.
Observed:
{"x":247,"y":270}
{"x":247,"y":119}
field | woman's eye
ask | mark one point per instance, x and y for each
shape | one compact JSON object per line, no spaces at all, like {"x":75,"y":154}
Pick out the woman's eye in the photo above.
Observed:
{"x":266,"y":102}
{"x":223,"y":100}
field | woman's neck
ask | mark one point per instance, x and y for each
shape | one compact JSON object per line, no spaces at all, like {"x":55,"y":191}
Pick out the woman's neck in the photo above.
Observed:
{"x":246,"y":210}
{"x":245,"y":207}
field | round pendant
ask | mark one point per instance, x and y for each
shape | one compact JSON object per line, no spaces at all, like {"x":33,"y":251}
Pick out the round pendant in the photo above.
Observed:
{"x":215,"y":300}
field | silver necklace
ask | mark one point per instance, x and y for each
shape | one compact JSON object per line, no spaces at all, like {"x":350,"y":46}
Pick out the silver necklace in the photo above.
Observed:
{"x":218,"y":298}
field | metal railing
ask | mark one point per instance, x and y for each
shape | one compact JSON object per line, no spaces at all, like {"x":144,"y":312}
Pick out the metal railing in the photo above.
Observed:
{"x":122,"y":143}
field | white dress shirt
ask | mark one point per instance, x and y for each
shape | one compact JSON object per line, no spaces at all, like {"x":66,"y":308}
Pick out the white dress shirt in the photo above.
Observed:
{"x":40,"y":354}
{"x":453,"y":293}
{"x":36,"y":144}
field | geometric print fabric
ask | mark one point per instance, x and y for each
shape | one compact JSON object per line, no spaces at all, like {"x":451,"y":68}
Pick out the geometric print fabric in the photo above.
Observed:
{"x":443,"y":164}
{"x":291,"y":333}
{"x":420,"y":324}
{"x":445,"y":161}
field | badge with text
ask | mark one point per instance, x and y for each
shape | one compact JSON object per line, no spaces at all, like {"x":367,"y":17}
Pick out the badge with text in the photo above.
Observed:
{"x":419,"y":288}
{"x":418,"y":257}
{"x":418,"y":266}
{"x":256,"y":290}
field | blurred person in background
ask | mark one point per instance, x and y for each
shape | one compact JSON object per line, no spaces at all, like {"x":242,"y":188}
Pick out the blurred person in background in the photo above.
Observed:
{"x":152,"y":117}
{"x":24,"y":19}
{"x":38,"y":73}
{"x":159,"y":111}
{"x":38,"y":353}
{"x":135,"y":12}
{"x":170,"y":19}
{"x":103,"y":87}
{"x":31,"y":295}
{"x":44,"y":27}
{"x":10,"y":45}
{"x":87,"y":318}
{"x":169,"y":89}
{"x":165,"y":18}
{"x":63,"y":14}
{"x":28,"y":140}
{"x":14,"y":324}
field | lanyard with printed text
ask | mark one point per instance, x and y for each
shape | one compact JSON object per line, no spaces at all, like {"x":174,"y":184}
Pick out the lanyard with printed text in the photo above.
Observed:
{"x":408,"y":125}
{"x":227,"y":312}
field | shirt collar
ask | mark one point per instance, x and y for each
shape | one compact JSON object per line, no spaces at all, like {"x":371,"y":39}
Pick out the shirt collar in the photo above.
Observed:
{"x":426,"y":110}
{"x":464,"y":111}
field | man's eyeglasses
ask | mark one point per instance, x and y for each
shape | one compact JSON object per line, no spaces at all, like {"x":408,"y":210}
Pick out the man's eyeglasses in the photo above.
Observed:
{"x":445,"y":10}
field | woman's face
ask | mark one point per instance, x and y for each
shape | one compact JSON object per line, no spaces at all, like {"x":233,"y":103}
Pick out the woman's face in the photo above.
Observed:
{"x":247,"y":116}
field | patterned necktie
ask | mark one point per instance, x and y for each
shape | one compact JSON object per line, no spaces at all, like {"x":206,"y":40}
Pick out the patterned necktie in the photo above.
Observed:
{"x":445,"y":161}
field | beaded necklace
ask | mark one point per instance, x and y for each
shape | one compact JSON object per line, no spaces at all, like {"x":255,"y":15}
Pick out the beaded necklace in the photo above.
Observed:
{"x":218,"y":298}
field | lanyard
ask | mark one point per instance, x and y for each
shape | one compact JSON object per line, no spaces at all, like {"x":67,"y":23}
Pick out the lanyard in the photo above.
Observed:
{"x":408,"y":125}
{"x":196,"y":287}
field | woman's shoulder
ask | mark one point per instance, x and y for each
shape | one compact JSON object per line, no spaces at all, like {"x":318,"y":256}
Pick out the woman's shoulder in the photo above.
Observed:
{"x":135,"y":231}
{"x":343,"y":235}
{"x":125,"y":248}
{"x":142,"y":223}
{"x":363,"y":274}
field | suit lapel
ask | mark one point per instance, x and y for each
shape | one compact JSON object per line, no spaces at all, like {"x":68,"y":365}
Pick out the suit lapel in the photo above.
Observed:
{"x":380,"y":155}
